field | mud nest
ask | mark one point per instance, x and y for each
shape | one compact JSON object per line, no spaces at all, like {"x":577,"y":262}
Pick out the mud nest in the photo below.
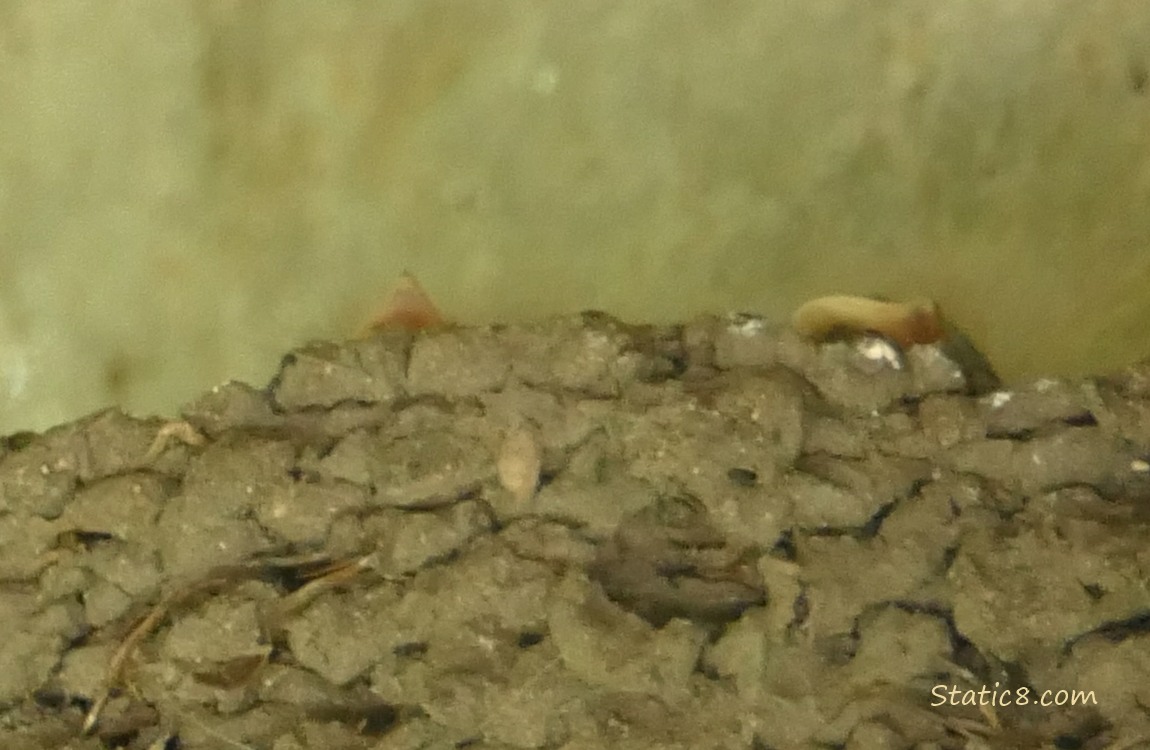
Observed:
{"x":585,"y":534}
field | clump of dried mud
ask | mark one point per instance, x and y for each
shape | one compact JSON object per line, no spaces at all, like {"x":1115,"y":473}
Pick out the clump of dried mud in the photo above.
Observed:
{"x":738,"y":539}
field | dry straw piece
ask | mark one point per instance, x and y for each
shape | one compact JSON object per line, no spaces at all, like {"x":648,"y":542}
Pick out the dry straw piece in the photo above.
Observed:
{"x":520,"y":462}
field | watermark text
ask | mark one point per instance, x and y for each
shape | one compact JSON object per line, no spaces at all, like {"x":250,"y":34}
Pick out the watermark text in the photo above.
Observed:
{"x":1000,"y":697}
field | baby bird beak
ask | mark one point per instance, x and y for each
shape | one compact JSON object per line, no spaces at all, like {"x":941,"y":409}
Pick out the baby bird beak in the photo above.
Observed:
{"x":409,"y":309}
{"x":906,"y":323}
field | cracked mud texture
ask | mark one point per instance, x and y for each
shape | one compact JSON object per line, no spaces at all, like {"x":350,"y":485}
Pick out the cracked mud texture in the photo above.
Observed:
{"x":739,"y":539}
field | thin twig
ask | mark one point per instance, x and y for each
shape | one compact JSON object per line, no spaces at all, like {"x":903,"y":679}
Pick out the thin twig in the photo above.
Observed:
{"x":222,"y":576}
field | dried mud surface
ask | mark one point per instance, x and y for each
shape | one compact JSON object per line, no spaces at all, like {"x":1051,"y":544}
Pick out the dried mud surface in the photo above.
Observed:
{"x":583,"y":534}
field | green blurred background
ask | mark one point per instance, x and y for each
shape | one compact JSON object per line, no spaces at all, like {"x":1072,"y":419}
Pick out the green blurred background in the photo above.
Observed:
{"x":189,"y":188}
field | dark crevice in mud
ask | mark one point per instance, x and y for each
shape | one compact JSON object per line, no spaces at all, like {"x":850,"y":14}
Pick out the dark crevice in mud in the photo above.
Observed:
{"x":948,"y":557}
{"x":871,"y":528}
{"x":838,"y":649}
{"x":82,"y":539}
{"x":529,"y":638}
{"x":741,"y":477}
{"x":1022,"y":435}
{"x":863,"y":532}
{"x":800,"y":610}
{"x":1083,"y":419}
{"x":1116,"y":631}
{"x":368,"y":716}
{"x":784,"y":546}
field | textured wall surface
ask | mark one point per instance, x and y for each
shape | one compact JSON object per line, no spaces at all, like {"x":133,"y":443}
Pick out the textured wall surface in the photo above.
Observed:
{"x":575,"y":535}
{"x":188,"y":188}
